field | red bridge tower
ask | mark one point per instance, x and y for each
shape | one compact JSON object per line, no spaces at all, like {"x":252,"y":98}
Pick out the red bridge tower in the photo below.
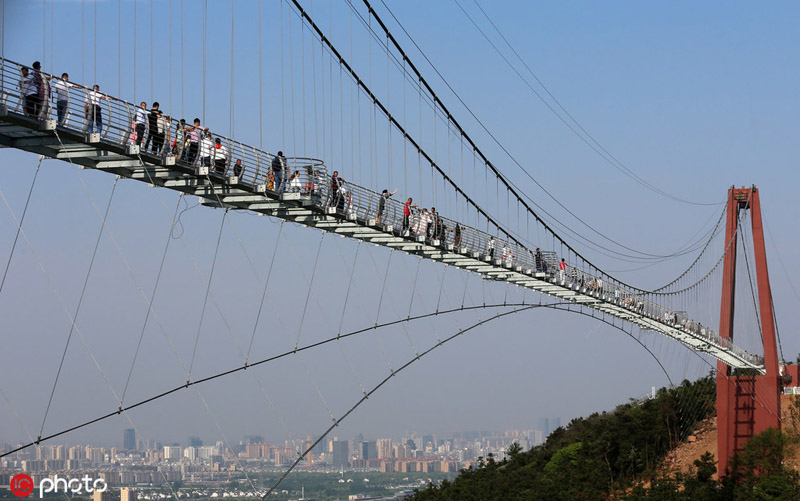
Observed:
{"x":746,"y":404}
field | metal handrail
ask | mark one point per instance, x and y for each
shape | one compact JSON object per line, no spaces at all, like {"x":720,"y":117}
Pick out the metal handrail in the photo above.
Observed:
{"x":309,"y":176}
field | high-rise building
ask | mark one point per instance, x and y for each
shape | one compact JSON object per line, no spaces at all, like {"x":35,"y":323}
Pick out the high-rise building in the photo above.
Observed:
{"x":548,"y":425}
{"x":172,"y":452}
{"x":341,"y":453}
{"x":369,"y":450}
{"x":128,"y":494}
{"x":384,"y":446}
{"x":129,"y":439}
{"x":102,"y":496}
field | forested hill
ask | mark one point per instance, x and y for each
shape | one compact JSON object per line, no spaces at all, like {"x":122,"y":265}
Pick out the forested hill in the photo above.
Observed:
{"x":616,"y":454}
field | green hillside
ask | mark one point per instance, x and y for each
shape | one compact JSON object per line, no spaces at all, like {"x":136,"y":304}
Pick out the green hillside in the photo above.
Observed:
{"x":613,"y":454}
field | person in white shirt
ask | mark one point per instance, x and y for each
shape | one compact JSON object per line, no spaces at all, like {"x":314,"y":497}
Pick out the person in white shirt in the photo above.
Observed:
{"x":206,"y":145}
{"x":220,"y":154}
{"x":62,"y":98}
{"x":163,"y":126}
{"x":294,"y":183}
{"x":94,"y":113}
{"x":140,"y":119}
{"x":27,"y":87}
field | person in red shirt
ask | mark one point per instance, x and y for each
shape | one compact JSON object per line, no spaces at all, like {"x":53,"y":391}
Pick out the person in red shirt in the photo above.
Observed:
{"x":407,"y":212}
{"x":562,"y":268}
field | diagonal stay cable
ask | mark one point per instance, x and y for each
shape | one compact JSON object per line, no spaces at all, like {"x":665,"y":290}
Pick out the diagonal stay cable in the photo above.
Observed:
{"x":74,"y":317}
{"x":251,"y":365}
{"x":417,"y":357}
{"x":152,"y":296}
{"x":512,"y":187}
{"x":377,"y":387}
{"x":21,"y":222}
{"x":24,"y":426}
{"x":208,"y":288}
{"x":363,"y":310}
{"x":587,"y":138}
{"x":264,"y":292}
{"x":344,"y":311}
{"x":310,"y":289}
{"x":557,"y":306}
{"x":77,"y":330}
{"x":310,"y":283}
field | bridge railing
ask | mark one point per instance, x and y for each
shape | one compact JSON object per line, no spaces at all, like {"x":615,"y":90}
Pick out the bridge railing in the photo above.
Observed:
{"x":249,"y":167}
{"x":161,"y":137}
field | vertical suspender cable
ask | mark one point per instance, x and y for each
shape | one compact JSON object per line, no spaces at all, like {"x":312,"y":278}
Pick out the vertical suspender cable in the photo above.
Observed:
{"x":183,"y":115}
{"x":134,"y":51}
{"x":388,"y":123}
{"x":52,"y":33}
{"x":83,"y":37}
{"x":283,"y":97}
{"x":119,"y":48}
{"x":322,"y":72}
{"x":303,"y":74}
{"x":371,"y":125}
{"x":341,"y":112}
{"x":260,"y":81}
{"x":233,"y":67}
{"x":314,"y":92}
{"x":341,"y":92}
{"x":291,"y":80}
{"x":152,"y":94}
{"x":358,"y":97}
{"x":94,"y":71}
{"x":171,"y":109}
{"x":405,"y":143}
{"x":205,"y":29}
{"x":419,"y":156}
{"x":44,"y":30}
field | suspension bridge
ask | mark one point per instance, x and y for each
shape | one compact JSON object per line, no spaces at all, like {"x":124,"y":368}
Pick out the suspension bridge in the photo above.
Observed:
{"x":70,"y":121}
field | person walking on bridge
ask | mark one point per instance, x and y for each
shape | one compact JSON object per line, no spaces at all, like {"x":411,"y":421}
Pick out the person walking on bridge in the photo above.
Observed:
{"x":62,"y":98}
{"x":141,"y":122}
{"x":407,"y":213}
{"x":206,"y":148}
{"x":152,"y":127}
{"x":278,"y":168}
{"x":93,"y":111}
{"x":562,"y":270}
{"x":35,"y":99}
{"x":336,"y":182}
{"x":194,"y":141}
{"x":220,"y":154}
{"x":382,"y":204}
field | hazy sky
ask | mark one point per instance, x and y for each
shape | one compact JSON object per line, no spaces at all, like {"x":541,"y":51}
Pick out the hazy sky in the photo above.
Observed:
{"x":693,"y":97}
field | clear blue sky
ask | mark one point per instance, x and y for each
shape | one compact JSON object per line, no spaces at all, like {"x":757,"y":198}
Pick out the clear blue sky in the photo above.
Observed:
{"x":693,"y":97}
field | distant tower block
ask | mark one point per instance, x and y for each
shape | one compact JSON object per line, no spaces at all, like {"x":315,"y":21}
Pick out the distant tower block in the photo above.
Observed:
{"x":129,"y":439}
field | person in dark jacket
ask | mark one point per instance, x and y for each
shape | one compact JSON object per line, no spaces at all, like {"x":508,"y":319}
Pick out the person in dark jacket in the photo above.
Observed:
{"x":279,"y":166}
